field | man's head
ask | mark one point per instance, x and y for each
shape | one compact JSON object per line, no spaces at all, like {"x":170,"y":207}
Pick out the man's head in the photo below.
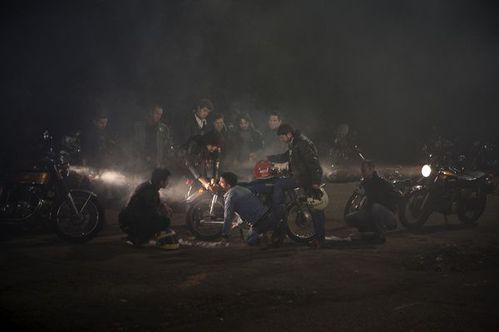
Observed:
{"x":203,"y":108}
{"x":100,"y":120}
{"x":155,"y":114}
{"x":244,"y":121}
{"x":227,"y":180}
{"x":212,"y":140}
{"x":274,"y":121}
{"x":218,"y":122}
{"x":159,"y":177}
{"x":285,"y":133}
{"x":367,"y":168}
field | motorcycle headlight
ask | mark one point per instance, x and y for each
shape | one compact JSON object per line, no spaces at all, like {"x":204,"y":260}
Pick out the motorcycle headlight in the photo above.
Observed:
{"x":426,"y":170}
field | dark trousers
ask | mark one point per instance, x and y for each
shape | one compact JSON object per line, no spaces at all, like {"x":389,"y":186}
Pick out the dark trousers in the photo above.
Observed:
{"x":280,"y":186}
{"x":372,"y":219}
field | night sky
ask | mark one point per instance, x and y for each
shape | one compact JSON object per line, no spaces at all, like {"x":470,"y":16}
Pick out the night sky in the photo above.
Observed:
{"x":391,"y":69}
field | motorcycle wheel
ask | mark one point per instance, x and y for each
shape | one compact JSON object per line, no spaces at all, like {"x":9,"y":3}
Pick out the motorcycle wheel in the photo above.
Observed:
{"x":472,"y":207}
{"x":78,"y":229}
{"x":354,"y":203}
{"x":201,"y":224}
{"x":300,"y":227}
{"x":411,"y":214}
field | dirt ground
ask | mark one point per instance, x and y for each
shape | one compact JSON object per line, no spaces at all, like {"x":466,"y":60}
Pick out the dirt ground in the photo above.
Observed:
{"x":444,"y":277}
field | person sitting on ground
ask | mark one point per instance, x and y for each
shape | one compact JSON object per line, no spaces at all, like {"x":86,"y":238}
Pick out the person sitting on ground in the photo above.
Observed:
{"x":378,"y":213}
{"x":240,"y":200}
{"x":145,"y":217}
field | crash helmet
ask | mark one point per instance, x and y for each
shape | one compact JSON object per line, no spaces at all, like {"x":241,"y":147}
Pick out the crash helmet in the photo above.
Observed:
{"x":318,"y":203}
{"x":262,"y":169}
{"x":167,"y":240}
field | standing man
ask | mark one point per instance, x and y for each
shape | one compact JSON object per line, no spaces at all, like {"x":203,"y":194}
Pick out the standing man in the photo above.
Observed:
{"x":247,"y":139}
{"x":97,"y":144}
{"x":306,"y":172}
{"x":379,"y":212}
{"x":153,"y":139}
{"x":272,"y":145}
{"x":197,"y":123}
{"x":241,"y":200}
{"x":226,"y":135}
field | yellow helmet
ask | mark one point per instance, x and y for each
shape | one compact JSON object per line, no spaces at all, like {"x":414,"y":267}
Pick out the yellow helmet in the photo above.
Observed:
{"x":318,"y":204}
{"x":167,"y":241}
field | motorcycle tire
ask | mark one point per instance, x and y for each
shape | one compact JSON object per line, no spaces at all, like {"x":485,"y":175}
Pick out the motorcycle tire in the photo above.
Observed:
{"x":470,"y":216}
{"x":78,"y":229}
{"x":198,"y":210}
{"x":413,"y":221}
{"x":354,"y":203}
{"x":300,"y":227}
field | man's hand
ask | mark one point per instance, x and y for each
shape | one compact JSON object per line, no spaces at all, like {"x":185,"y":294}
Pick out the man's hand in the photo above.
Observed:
{"x":316,"y":192}
{"x":166,"y":210}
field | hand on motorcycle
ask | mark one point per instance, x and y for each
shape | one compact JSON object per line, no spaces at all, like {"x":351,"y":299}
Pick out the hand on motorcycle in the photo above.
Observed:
{"x":315,"y":191}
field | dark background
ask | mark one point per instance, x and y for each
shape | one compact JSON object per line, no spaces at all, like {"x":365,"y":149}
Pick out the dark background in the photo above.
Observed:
{"x":391,"y":69}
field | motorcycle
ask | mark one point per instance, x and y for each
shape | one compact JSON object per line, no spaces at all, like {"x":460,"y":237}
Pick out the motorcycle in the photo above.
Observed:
{"x":358,"y":199}
{"x":40,"y":196}
{"x":342,"y":161}
{"x":448,"y":190}
{"x":205,"y":213}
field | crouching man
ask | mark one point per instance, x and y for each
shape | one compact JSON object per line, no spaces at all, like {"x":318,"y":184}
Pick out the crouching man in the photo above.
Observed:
{"x":241,"y":200}
{"x":145,"y":218}
{"x":378,"y":213}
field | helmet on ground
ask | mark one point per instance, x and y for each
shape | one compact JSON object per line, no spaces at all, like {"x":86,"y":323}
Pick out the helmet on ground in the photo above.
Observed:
{"x":318,"y":203}
{"x":262,"y":169}
{"x":167,"y":240}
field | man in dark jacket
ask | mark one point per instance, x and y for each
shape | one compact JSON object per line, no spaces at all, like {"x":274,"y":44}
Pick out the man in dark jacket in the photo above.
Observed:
{"x":201,"y":156}
{"x":306,"y":172}
{"x":153,"y":139}
{"x":145,"y":215}
{"x":196,"y":123}
{"x":379,"y":212}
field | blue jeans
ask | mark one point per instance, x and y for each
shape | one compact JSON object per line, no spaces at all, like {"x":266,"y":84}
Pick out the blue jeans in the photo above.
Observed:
{"x":373,"y":219}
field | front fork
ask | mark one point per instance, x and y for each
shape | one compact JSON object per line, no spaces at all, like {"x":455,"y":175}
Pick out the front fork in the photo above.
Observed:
{"x":213,"y":202}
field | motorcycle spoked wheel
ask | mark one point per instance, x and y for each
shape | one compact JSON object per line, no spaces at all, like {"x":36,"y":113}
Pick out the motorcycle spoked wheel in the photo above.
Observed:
{"x":354,"y":203}
{"x":300,"y":227}
{"x":84,"y":227}
{"x":201,"y":224}
{"x":472,"y":207}
{"x":411,"y":213}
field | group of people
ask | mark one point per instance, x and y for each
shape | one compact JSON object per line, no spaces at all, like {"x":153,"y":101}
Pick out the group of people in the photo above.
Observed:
{"x":210,"y":151}
{"x":154,"y":142}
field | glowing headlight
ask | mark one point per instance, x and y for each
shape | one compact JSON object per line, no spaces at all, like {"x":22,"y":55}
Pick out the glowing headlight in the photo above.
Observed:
{"x":113,"y":177}
{"x":426,"y":171}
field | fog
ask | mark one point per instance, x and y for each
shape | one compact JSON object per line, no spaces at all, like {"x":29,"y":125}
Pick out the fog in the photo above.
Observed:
{"x":391,"y":69}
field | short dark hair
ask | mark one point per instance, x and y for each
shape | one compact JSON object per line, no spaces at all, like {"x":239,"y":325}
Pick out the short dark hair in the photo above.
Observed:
{"x":218,"y":116}
{"x":275,"y":114}
{"x":100,"y":114}
{"x":204,"y":102}
{"x":244,"y":116}
{"x":230,"y":178}
{"x":159,"y":174}
{"x":285,"y":129}
{"x":369,"y":163}
{"x":212,"y":138}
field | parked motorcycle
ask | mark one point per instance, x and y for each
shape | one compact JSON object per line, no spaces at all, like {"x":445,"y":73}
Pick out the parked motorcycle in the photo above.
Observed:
{"x":358,"y":198}
{"x":447,"y":190}
{"x":205,"y":213}
{"x":40,"y":196}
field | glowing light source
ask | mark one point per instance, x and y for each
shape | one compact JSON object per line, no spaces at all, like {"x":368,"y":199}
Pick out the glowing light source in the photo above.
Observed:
{"x":426,"y":170}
